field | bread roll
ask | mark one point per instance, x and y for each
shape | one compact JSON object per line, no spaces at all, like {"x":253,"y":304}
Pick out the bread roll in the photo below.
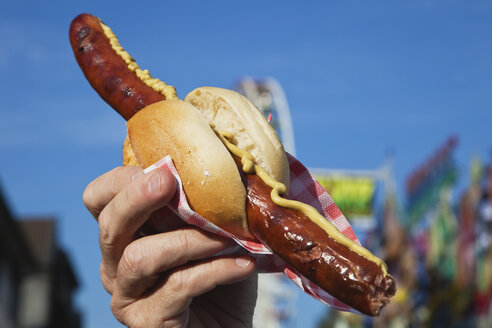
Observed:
{"x":209,"y":174}
{"x":234,"y":113}
{"x":129,"y":158}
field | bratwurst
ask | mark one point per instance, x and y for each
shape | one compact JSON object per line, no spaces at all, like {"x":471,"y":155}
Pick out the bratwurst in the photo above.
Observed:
{"x":233,"y":167}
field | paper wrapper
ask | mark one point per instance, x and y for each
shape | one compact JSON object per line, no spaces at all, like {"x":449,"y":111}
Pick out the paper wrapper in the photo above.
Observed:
{"x":304,"y":188}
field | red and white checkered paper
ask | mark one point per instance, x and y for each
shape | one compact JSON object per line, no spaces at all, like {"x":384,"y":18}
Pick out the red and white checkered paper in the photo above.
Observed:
{"x":304,"y":188}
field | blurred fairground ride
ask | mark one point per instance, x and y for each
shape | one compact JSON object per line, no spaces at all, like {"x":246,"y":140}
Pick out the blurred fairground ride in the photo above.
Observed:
{"x":267,"y":94}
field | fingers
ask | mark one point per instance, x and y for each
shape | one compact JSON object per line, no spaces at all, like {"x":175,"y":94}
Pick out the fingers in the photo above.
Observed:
{"x":158,"y":275}
{"x":127,"y":212}
{"x":187,"y":282}
{"x":102,"y":190}
{"x":196,"y":279}
{"x":173,"y":295}
{"x":145,"y":259}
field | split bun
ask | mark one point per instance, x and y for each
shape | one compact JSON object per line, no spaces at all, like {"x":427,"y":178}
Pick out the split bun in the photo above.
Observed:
{"x":210,"y":176}
{"x":230,"y":111}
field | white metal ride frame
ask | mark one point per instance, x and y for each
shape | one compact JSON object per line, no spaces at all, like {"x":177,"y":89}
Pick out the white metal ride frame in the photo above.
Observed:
{"x":267,"y":94}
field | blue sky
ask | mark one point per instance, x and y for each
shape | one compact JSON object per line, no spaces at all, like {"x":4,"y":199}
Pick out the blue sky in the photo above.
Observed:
{"x":361,"y":78}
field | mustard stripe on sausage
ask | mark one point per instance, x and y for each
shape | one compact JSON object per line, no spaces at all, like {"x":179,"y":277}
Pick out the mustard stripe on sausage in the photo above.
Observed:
{"x":157,"y":85}
{"x":278,"y":188}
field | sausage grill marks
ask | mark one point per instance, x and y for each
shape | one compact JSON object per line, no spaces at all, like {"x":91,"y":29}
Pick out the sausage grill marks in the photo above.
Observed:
{"x":343,"y":273}
{"x":106,"y":71}
{"x":308,"y":249}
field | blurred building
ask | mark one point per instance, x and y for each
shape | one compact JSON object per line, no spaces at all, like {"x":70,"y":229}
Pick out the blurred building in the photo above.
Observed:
{"x":37,"y":280}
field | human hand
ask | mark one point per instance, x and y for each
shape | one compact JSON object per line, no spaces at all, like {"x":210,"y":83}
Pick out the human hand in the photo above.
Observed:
{"x":170,"y":278}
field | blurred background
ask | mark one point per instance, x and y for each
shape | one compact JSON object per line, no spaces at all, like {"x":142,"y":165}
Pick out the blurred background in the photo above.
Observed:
{"x":388,"y":102}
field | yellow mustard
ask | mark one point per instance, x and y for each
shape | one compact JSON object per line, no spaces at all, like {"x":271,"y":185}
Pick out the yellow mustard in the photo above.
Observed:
{"x":247,"y":159}
{"x":157,"y":85}
{"x":278,"y":188}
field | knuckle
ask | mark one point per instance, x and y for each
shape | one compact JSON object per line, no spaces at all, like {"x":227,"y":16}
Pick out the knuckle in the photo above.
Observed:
{"x":118,"y":177}
{"x":118,"y":310}
{"x":132,"y":260}
{"x":113,"y":179}
{"x":125,"y":313}
{"x":107,"y":238}
{"x":178,"y":281}
{"x":87,"y":196}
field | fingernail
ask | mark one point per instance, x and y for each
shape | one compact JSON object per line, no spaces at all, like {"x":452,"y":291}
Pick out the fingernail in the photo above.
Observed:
{"x":243,"y":261}
{"x":154,"y":184}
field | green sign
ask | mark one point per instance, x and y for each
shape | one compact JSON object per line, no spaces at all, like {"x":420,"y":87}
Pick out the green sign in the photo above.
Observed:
{"x":352,"y":194}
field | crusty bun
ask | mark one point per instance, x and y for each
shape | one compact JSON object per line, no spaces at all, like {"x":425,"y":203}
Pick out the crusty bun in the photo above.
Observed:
{"x":210,"y":177}
{"x":129,"y":158}
{"x":234,"y":113}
